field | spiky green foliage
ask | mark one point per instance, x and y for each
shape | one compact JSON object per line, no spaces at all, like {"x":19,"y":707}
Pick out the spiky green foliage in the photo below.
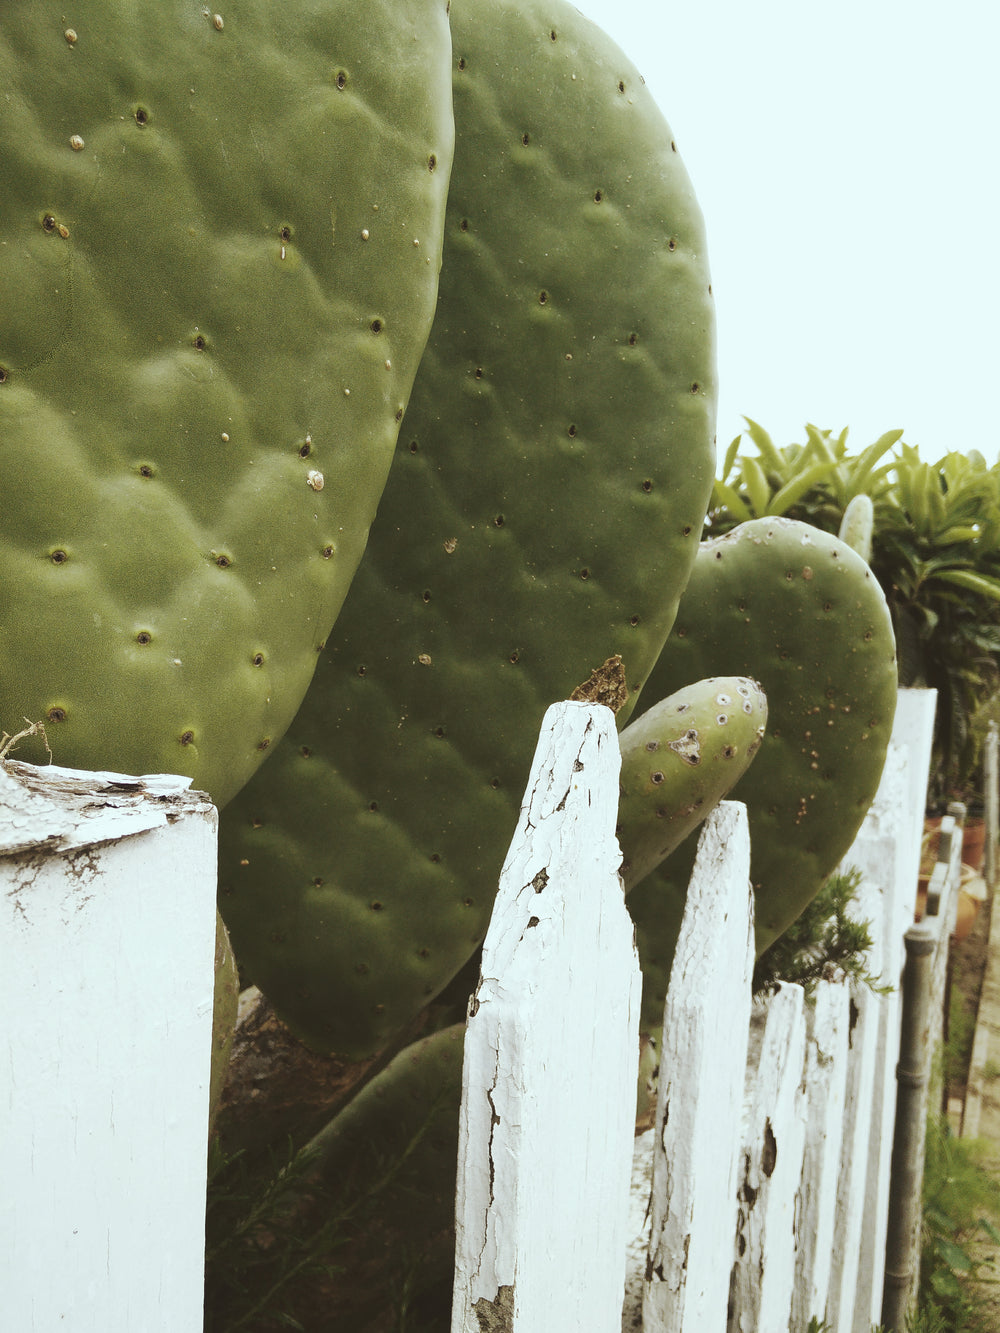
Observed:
{"x":814,"y":481}
{"x":219,"y":246}
{"x":679,"y":759}
{"x":803,"y":613}
{"x":824,"y":941}
{"x":542,"y":515}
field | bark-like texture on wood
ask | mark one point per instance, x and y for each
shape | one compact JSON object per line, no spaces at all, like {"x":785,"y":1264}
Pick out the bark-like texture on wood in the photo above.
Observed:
{"x":55,"y":808}
{"x":702,"y":1063}
{"x":551,"y":1057}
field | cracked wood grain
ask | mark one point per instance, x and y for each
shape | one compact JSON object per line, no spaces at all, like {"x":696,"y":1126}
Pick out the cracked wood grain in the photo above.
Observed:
{"x":700,"y":1093}
{"x":50,"y":808}
{"x":545,"y":1153}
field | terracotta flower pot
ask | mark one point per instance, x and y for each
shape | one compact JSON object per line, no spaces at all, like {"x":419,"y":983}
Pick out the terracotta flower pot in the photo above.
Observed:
{"x":971,"y":896}
{"x":973,"y":842}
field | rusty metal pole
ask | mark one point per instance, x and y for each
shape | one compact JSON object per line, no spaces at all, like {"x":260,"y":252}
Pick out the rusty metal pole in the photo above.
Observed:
{"x":902,"y":1251}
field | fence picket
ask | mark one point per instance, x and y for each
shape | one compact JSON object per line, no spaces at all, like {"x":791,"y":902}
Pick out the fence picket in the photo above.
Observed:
{"x":107,"y":942}
{"x":889,"y":862}
{"x":827,"y":1024}
{"x":702,"y":1065}
{"x":854,"y":1198}
{"x":551,"y":1057}
{"x":770,"y":1166}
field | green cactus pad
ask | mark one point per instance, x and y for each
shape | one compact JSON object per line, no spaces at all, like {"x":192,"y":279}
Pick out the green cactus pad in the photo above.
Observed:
{"x":542,"y":515}
{"x":413,"y":1101}
{"x":679,"y":759}
{"x":801,"y":611}
{"x":219,"y":250}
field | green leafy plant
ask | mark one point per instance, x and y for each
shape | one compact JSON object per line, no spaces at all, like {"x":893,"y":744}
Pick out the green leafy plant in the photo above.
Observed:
{"x":935,"y":552}
{"x":814,"y":481}
{"x":961,"y":1203}
{"x":824,"y":942}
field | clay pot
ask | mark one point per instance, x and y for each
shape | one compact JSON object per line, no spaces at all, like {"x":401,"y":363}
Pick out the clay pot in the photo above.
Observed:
{"x":971,"y":896}
{"x":973,"y":842}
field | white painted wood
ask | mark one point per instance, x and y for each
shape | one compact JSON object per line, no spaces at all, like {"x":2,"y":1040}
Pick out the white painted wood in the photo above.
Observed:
{"x":54,"y":807}
{"x":889,"y":862}
{"x":551,"y":1057}
{"x":991,"y":802}
{"x":638,"y":1220}
{"x":770,"y":1166}
{"x":700,"y":1095}
{"x":853,"y":1198}
{"x":827,"y":1021}
{"x":912,"y":728}
{"x":887,"y":851}
{"x":107,"y":935}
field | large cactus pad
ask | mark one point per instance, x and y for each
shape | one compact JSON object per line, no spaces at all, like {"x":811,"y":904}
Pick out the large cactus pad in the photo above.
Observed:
{"x":803,"y":613}
{"x":542,"y":515}
{"x":219,"y":246}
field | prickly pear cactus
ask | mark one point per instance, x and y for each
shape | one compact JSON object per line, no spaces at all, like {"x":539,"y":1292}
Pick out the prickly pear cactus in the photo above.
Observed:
{"x":542,"y":515}
{"x":679,"y":759}
{"x":219,"y":246}
{"x":803,"y":612}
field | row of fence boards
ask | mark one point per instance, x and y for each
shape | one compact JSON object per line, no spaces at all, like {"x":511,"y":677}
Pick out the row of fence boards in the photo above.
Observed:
{"x":760,"y":1196}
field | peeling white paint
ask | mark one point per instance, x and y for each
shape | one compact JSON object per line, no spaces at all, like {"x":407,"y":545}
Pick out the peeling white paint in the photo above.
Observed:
{"x":700,"y":1096}
{"x":551,"y":1056}
{"x":107,"y":934}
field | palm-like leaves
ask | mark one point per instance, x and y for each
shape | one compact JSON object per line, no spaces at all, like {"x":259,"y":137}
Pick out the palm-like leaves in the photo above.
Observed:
{"x":935,"y":551}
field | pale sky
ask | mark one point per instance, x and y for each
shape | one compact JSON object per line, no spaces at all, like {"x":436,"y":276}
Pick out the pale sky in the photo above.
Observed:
{"x":847,"y":160}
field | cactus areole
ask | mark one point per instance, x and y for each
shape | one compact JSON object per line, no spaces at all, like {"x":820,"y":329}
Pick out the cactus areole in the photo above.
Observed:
{"x":541,"y":517}
{"x":219,"y":249}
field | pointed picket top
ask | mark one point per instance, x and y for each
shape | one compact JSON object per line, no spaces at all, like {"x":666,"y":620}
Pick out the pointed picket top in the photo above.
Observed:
{"x":551,"y":1056}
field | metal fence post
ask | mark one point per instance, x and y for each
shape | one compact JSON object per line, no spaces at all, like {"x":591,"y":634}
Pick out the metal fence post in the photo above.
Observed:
{"x":902,"y":1255}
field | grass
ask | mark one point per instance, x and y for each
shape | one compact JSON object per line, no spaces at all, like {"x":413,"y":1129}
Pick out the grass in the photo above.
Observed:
{"x":961,"y":1205}
{"x":961,"y":1033}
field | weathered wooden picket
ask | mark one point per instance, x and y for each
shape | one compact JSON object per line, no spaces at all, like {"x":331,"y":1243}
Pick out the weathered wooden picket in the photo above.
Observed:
{"x":107,"y":961}
{"x":760,"y":1198}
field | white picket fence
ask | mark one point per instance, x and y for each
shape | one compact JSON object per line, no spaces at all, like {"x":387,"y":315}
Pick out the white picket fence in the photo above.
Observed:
{"x":761,"y":1196}
{"x":759,"y":1199}
{"x":107,"y":963}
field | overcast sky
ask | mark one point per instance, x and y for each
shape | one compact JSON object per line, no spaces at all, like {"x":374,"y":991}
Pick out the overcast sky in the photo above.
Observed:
{"x":847,"y":161}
